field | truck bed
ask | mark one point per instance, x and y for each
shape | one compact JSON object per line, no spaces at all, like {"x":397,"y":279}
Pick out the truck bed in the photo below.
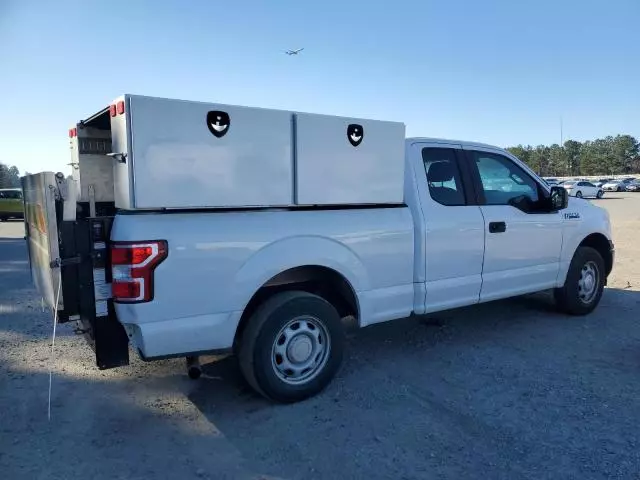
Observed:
{"x":217,"y":260}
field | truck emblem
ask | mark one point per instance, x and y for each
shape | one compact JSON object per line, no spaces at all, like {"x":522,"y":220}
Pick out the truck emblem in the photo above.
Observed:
{"x":572,"y":215}
{"x":355,"y":134}
{"x":218,"y":123}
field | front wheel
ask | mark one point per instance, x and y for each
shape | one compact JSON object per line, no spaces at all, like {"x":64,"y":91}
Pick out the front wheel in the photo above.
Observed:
{"x":584,"y":284}
{"x":579,"y":194}
{"x":292,"y":347}
{"x":599,"y":194}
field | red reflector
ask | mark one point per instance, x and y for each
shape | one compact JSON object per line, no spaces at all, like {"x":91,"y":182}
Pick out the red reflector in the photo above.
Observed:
{"x":125,"y":289}
{"x":112,"y":110}
{"x":74,"y":132}
{"x":120,"y":107}
{"x":71,"y":133}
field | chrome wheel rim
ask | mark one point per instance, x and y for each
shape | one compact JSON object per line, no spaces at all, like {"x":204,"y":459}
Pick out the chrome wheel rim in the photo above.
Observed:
{"x":300,"y":350}
{"x":588,"y":282}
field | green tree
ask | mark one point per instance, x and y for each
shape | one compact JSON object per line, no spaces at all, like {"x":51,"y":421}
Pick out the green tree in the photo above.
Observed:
{"x":523,"y":153}
{"x":540,"y":160}
{"x":557,"y":161}
{"x":603,"y":156}
{"x":9,"y":176}
{"x":572,"y":153}
{"x":624,"y":151}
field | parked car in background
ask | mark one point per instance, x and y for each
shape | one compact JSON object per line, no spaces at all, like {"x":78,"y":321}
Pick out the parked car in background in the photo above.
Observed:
{"x":613,"y":186}
{"x":633,"y":186}
{"x":11,"y":204}
{"x":582,"y":189}
{"x":600,"y":183}
{"x":551,"y":181}
{"x":619,"y":185}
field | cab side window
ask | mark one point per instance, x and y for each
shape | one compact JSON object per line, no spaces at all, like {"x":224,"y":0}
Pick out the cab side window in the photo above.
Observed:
{"x":503,"y":181}
{"x":443,"y":176}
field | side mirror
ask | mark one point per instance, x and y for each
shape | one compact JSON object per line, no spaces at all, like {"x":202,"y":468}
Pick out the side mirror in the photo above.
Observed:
{"x":559,"y":198}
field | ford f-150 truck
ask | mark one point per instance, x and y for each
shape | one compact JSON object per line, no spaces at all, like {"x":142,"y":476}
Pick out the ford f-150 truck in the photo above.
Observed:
{"x":191,"y":227}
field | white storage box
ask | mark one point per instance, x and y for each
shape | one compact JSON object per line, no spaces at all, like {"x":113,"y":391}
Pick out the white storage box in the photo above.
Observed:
{"x":175,"y":154}
{"x":185,"y":155}
{"x":348,"y":161}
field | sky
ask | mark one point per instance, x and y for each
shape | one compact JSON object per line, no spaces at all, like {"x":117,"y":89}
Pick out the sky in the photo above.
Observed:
{"x":502,"y":72}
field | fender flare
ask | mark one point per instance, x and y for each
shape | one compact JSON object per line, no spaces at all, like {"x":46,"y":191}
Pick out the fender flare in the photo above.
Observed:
{"x":293,"y":252}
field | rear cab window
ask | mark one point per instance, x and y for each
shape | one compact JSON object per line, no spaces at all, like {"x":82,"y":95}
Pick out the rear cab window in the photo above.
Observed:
{"x":443,"y":176}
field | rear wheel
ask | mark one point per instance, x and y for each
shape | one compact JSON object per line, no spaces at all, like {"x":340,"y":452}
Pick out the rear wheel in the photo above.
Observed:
{"x":292,"y":346}
{"x":584,"y":284}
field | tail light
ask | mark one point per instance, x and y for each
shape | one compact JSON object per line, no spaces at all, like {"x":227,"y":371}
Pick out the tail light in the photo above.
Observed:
{"x":133,"y":265}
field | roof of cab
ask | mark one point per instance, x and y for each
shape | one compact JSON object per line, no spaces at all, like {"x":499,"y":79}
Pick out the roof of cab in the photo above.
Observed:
{"x":464,"y":143}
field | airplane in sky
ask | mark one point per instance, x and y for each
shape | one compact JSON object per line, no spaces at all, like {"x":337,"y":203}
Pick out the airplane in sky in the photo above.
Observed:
{"x":294,"y":52}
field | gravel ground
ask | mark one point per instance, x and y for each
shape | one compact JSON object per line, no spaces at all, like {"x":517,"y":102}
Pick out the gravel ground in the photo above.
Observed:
{"x":504,"y":390}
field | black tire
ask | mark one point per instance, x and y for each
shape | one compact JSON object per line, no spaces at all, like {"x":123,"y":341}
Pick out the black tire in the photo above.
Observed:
{"x":579,"y":194}
{"x":599,"y":194}
{"x":618,"y":189}
{"x":256,"y":347}
{"x":568,"y":298}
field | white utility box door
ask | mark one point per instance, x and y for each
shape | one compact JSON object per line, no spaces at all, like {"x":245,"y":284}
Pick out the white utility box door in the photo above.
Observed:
{"x":348,"y":161}
{"x":203,"y":155}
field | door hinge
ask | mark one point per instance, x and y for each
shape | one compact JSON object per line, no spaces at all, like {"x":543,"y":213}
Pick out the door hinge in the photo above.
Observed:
{"x":64,"y":262}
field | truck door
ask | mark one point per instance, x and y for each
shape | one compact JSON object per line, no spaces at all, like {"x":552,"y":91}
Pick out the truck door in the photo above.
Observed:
{"x":450,"y":235}
{"x":523,"y":242}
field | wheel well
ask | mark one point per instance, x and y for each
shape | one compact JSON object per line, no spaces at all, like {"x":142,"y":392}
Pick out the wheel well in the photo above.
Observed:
{"x":321,"y":281}
{"x":600,"y":243}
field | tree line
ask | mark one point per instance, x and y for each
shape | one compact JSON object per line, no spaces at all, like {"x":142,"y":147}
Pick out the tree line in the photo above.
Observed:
{"x":9,"y":176}
{"x":617,"y":155}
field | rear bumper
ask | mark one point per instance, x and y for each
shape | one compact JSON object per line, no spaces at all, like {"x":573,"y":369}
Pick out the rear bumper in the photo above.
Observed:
{"x":184,"y":336}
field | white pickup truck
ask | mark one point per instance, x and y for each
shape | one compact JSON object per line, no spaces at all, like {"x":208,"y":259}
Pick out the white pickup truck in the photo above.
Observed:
{"x":191,"y":228}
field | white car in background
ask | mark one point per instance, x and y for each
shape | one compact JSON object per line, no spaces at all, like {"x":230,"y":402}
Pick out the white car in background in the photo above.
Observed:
{"x":582,"y":188}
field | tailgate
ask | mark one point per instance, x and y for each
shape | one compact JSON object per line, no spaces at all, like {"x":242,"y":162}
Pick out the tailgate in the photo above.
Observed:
{"x":41,"y":231}
{"x":69,"y":261}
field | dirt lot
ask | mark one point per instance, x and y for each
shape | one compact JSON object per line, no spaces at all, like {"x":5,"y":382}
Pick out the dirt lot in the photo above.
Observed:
{"x":504,"y":390}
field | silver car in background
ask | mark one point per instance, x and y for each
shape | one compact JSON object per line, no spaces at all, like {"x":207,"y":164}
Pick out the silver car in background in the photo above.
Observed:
{"x":613,"y":186}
